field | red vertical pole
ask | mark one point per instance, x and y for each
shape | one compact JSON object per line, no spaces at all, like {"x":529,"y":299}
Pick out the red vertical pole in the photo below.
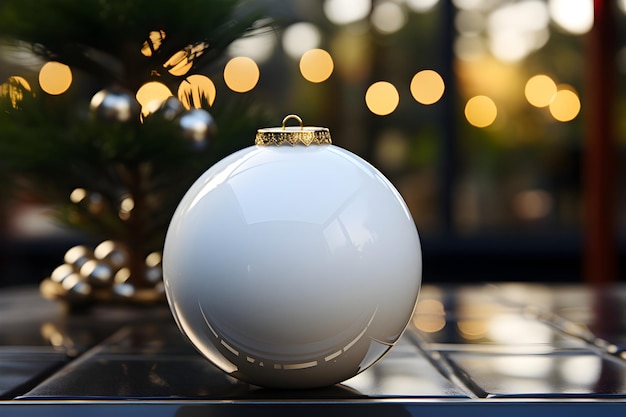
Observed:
{"x":600,"y":247}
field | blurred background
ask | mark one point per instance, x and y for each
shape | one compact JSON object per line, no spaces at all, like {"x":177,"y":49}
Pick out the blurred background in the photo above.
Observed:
{"x":500,"y":122}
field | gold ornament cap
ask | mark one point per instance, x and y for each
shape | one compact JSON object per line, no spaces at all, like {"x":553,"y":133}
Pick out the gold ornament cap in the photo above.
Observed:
{"x":293,"y":135}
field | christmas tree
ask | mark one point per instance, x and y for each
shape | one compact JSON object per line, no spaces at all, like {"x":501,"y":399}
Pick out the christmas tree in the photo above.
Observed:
{"x":114,"y":152}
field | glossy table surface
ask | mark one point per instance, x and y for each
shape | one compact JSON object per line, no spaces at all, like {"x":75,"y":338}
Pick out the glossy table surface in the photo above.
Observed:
{"x":477,"y":350}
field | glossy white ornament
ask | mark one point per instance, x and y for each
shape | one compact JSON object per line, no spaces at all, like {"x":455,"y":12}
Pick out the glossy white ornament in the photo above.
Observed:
{"x":292,"y":266}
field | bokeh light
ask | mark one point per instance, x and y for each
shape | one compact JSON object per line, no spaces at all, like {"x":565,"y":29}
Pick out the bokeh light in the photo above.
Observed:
{"x":14,"y":89}
{"x":430,"y":316}
{"x":78,"y":195}
{"x":178,"y":64}
{"x":427,"y":87}
{"x":517,"y":29}
{"x":154,"y":259}
{"x":241,"y":74}
{"x":316,"y":65}
{"x":299,"y":38}
{"x":127,"y":205}
{"x":469,"y":22}
{"x":151,"y":96}
{"x":470,"y":47}
{"x":480,"y":111}
{"x":468,"y":4}
{"x":382,"y":98}
{"x":392,"y":149}
{"x":155,"y":39}
{"x":352,"y":56}
{"x":421,"y":6}
{"x":196,"y":90}
{"x":343,"y":12}
{"x":388,"y":17}
{"x":55,"y":78}
{"x":575,"y":16}
{"x":259,"y":45}
{"x":473,"y":329}
{"x":540,"y":90}
{"x":19,"y":82}
{"x":532,"y":204}
{"x":181,"y":62}
{"x":566,"y":105}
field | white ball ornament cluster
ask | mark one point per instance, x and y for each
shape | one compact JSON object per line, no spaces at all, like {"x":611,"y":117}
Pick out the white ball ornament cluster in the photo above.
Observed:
{"x":292,"y":266}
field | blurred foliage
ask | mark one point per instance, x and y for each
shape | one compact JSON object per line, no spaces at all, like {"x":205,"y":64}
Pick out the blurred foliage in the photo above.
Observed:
{"x":104,"y":37}
{"x":52,"y":145}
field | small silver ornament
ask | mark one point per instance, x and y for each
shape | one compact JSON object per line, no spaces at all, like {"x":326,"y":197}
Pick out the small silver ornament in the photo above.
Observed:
{"x":61,"y":272}
{"x":153,"y":259}
{"x":76,"y":288}
{"x":122,"y":276}
{"x":111,"y":252}
{"x":154,"y":275}
{"x":198,"y":127}
{"x":95,"y":202}
{"x":160,"y":288}
{"x":97,"y":273}
{"x":51,"y":290}
{"x":123,"y":290}
{"x":171,"y":108}
{"x":77,"y":256}
{"x":114,"y":106}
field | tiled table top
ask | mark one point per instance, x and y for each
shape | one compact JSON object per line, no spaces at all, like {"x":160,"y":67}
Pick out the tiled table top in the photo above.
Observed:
{"x":479,"y":350}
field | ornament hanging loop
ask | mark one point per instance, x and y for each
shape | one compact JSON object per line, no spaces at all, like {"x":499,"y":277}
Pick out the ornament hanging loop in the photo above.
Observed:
{"x":278,"y":136}
{"x":292,"y":116}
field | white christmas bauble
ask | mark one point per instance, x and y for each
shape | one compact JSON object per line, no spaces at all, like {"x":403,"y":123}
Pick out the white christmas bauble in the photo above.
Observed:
{"x":292,"y":266}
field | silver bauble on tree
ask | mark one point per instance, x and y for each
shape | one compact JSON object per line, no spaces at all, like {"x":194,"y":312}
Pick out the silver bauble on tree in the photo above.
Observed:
{"x":114,"y":105}
{"x":171,"y":108}
{"x":198,"y":127}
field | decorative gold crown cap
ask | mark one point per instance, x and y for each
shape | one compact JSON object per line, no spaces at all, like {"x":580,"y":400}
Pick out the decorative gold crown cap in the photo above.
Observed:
{"x":293,"y":135}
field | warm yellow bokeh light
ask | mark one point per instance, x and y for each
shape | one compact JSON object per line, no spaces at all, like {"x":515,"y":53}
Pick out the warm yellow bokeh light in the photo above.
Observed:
{"x":78,"y":195}
{"x":14,"y":89}
{"x":55,"y":78}
{"x":155,"y":39}
{"x":480,"y":111}
{"x":182,"y":61}
{"x":316,"y":65}
{"x":430,"y":316}
{"x":382,"y":98}
{"x":540,"y":90}
{"x":151,"y":96}
{"x":565,"y":106}
{"x":19,"y":82}
{"x":241,"y":74}
{"x":178,"y":64}
{"x":473,"y":329}
{"x":427,"y":87}
{"x":196,"y":90}
{"x":127,"y":204}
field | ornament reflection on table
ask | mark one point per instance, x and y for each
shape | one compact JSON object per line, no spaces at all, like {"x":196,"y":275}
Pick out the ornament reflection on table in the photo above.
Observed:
{"x":292,"y":263}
